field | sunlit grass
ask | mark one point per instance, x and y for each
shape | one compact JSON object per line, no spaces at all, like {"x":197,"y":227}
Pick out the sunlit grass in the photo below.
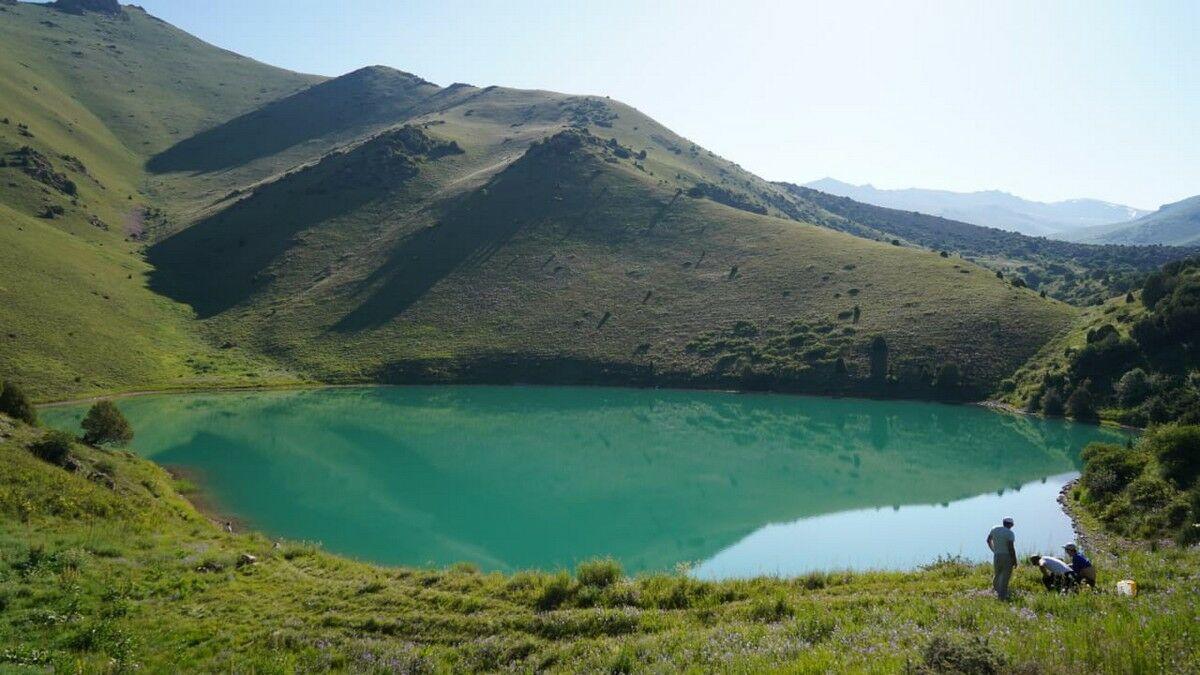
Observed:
{"x":111,"y":579}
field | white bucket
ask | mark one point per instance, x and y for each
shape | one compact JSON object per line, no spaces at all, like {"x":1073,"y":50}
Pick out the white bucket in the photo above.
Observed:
{"x":1127,"y":587}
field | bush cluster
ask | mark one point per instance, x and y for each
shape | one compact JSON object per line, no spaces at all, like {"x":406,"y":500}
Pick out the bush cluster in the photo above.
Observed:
{"x":1150,"y":489}
{"x":1151,"y":375}
{"x":974,"y":655}
{"x":15,"y":404}
{"x":54,"y":447}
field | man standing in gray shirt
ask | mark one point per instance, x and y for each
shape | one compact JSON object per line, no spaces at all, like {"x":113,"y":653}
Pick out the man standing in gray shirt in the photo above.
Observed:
{"x":1002,"y":541}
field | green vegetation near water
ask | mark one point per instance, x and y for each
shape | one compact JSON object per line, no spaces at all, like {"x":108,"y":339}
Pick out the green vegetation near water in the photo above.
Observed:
{"x":1131,"y":360}
{"x":108,"y":569}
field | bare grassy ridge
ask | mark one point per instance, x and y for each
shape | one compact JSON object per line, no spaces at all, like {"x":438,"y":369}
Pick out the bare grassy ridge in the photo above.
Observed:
{"x":573,"y":253}
{"x":304,"y":260}
{"x":106,"y":579}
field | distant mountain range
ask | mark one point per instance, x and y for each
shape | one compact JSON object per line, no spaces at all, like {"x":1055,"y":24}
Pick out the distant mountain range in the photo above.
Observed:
{"x":1176,"y":224}
{"x":990,"y":208}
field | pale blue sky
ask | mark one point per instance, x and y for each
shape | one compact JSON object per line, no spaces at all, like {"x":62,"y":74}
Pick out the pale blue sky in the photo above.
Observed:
{"x":1048,"y":100}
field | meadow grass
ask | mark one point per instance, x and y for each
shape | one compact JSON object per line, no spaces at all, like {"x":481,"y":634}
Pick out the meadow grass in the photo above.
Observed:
{"x":76,"y":316}
{"x":100,"y":579}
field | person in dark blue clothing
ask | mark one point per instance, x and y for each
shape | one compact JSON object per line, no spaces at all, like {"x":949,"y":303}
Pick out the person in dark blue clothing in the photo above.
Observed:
{"x":1081,"y":566}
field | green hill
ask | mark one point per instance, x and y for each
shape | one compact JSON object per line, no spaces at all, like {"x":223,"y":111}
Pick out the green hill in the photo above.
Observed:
{"x":84,"y":98}
{"x":347,"y":269}
{"x":377,"y":227}
{"x":1176,"y":224}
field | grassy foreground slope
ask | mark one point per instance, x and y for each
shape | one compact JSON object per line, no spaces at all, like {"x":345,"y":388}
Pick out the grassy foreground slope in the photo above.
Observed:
{"x":574,"y":257}
{"x":83,"y":99}
{"x":108,"y":568}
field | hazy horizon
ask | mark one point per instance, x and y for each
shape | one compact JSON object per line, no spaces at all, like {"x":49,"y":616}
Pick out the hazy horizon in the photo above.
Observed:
{"x":1076,"y":100}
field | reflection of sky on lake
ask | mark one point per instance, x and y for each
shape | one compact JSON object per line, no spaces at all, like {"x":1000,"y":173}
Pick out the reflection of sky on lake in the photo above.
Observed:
{"x":898,"y":537}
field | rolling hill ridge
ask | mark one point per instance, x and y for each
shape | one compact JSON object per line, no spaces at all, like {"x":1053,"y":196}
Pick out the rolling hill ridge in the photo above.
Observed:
{"x":990,"y":208}
{"x":1077,"y":273}
{"x":576,"y":243}
{"x":275,"y":227}
{"x":1176,"y":224}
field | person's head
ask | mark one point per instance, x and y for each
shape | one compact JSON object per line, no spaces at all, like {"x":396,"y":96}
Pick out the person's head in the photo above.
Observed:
{"x":1071,"y":549}
{"x":1008,"y":522}
{"x":1035,"y":560}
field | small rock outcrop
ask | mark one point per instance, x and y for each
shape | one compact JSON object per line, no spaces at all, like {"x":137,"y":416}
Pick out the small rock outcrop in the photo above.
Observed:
{"x":112,"y":7}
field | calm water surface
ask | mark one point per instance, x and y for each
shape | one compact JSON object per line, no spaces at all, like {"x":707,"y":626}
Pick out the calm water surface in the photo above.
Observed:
{"x":543,"y":477}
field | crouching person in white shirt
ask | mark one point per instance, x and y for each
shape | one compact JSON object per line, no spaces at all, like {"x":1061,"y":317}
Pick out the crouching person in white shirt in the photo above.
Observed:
{"x":1056,"y":574}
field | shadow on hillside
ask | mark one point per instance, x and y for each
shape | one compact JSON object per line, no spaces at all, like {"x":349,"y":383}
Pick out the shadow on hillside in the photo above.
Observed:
{"x":469,"y":234}
{"x":329,"y":109}
{"x":222,"y":260}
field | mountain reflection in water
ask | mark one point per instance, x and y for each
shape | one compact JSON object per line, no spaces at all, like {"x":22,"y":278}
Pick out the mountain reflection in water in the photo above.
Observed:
{"x":543,"y":477}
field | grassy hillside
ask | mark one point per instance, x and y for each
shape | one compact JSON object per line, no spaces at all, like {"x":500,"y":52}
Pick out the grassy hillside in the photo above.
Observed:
{"x":1076,"y":273}
{"x":148,"y":82}
{"x":497,"y":124}
{"x":83,"y":99}
{"x":575,"y":254}
{"x":1175,"y":224}
{"x":183,"y":601}
{"x":304,"y":231}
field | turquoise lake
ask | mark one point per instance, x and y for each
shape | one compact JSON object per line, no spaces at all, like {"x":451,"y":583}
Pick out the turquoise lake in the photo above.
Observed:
{"x":509,"y":478}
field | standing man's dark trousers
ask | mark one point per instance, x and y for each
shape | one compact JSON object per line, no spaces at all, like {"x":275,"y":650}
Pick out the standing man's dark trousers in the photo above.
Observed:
{"x":1002,"y":566}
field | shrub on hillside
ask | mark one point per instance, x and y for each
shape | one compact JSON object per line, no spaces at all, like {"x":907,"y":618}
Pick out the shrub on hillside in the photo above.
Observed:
{"x":55,"y":448}
{"x":15,"y":404}
{"x":970,"y":656}
{"x":1105,"y":356}
{"x":1080,"y":404}
{"x":1052,"y":403}
{"x":948,"y":377}
{"x":1108,"y":468}
{"x":1177,"y":449}
{"x":878,"y":355}
{"x":1188,"y":532}
{"x":106,"y":425}
{"x":1133,"y":388}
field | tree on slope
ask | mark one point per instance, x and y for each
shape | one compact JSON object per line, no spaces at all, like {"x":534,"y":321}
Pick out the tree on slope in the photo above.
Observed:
{"x":15,"y":404}
{"x":105,"y":425}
